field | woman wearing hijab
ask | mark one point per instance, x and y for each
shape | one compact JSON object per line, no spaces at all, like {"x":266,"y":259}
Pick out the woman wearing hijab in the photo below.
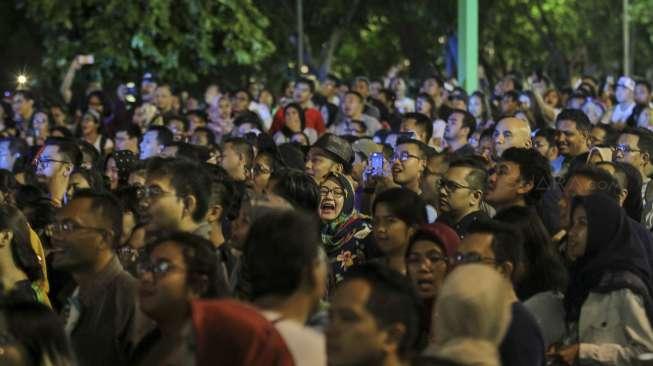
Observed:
{"x":345,"y":232}
{"x":608,"y":301}
{"x":117,"y":168}
{"x":427,"y":263}
{"x":472,"y":319}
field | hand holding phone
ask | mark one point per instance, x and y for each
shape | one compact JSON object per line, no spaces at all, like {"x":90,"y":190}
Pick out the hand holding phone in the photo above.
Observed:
{"x":85,"y":59}
{"x":376,"y":163}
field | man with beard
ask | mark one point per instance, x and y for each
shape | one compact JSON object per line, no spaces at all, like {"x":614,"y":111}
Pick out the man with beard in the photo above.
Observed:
{"x":573,"y":138}
{"x":54,"y":165}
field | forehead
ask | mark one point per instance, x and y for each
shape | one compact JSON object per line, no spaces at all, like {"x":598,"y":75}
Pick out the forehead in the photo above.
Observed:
{"x":352,"y":294}
{"x":509,"y":124}
{"x":457,"y":174}
{"x":77,"y":208}
{"x":408,"y":122}
{"x":476,"y":242}
{"x":50,"y":150}
{"x":410,"y":148}
{"x":629,"y":139}
{"x":150,"y":135}
{"x":168,"y":250}
{"x":158,"y":180}
{"x":566,"y":125}
{"x":425,"y":245}
{"x":330,"y":183}
{"x":541,"y":140}
{"x":509,"y":165}
{"x":579,"y":185}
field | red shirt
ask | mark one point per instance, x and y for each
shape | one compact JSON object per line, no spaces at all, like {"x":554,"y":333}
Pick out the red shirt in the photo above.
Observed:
{"x":313,"y":117}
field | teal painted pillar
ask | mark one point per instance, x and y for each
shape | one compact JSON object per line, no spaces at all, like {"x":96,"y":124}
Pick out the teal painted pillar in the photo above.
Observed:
{"x":468,"y":44}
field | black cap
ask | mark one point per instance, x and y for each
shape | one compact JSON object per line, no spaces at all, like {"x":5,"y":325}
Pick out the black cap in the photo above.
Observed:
{"x":336,"y":147}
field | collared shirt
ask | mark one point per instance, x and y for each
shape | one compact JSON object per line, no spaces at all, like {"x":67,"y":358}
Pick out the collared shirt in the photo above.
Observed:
{"x":110,"y":322}
{"x":462,"y":227}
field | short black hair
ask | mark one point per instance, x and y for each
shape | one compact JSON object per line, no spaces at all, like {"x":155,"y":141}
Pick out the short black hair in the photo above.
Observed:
{"x":93,"y":177}
{"x":405,"y":204}
{"x":549,"y":134}
{"x":209,"y":134}
{"x":88,"y":150}
{"x":204,"y":275}
{"x":422,"y":122}
{"x":583,"y":123}
{"x":17,"y":145}
{"x":279,"y":250}
{"x":163,"y":135}
{"x":468,"y":120}
{"x":477,"y":177}
{"x":645,"y":83}
{"x":67,"y":147}
{"x":296,"y":187}
{"x":107,"y":208}
{"x":132,"y":130}
{"x":243,"y":147}
{"x":357,"y":94}
{"x":307,"y":81}
{"x":512,"y":94}
{"x":176,"y":117}
{"x":187,"y":178}
{"x":507,"y":241}
{"x":13,"y":220}
{"x":392,"y":300}
{"x":223,"y":192}
{"x":533,"y":167}
{"x":423,"y":148}
{"x":644,"y":141}
{"x":250,"y":117}
{"x":611,"y":133}
{"x":602,"y":181}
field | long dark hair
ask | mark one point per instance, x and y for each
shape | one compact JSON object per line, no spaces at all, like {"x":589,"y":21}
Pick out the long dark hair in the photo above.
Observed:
{"x":543,"y":269}
{"x":302,"y":118}
{"x":12,"y":219}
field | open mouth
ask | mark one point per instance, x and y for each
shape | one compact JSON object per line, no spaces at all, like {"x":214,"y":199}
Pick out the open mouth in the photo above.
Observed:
{"x":328,"y":207}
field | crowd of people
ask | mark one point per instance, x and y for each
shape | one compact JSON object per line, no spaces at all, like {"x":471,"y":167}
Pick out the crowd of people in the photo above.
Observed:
{"x":362,"y":222}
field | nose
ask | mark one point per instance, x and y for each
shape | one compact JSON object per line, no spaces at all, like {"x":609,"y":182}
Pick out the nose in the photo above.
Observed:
{"x":498,"y":139}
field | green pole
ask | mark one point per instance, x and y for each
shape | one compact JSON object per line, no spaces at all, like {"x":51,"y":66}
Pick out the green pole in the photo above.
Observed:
{"x":468,"y":44}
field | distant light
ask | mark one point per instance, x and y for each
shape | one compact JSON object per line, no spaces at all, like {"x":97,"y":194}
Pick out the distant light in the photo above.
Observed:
{"x":406,"y":62}
{"x":441,"y":40}
{"x":131,"y":85}
{"x":22,"y":79}
{"x":304,"y":69}
{"x":130,"y":98}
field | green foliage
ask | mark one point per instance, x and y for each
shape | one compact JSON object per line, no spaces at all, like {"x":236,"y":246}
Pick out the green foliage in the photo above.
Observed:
{"x":182,"y":41}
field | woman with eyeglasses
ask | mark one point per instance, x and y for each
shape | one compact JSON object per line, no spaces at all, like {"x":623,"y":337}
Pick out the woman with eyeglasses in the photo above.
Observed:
{"x":265,"y":164}
{"x":397,"y":215}
{"x":428,"y":262}
{"x":608,"y":302}
{"x":176,"y":269}
{"x":346,"y":234}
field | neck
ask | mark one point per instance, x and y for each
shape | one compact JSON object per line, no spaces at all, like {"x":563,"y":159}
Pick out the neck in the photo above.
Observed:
{"x":87,"y":276}
{"x":217,"y":236}
{"x":188,"y":225}
{"x":297,"y":306}
{"x":10,"y":274}
{"x":398,"y":263}
{"x":414,"y":186}
{"x":460,"y":216}
{"x":519,"y":201}
{"x":356,"y":116}
{"x":306,"y":104}
{"x":174,"y":322}
{"x":91,"y":137}
{"x":27,"y":114}
{"x":457,"y":143}
{"x":57,"y":189}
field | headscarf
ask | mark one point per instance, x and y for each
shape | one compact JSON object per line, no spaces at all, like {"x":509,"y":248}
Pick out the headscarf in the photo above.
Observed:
{"x":125,"y":160}
{"x":612,"y":245}
{"x":228,"y":332}
{"x":348,"y":223}
{"x":474,"y":312}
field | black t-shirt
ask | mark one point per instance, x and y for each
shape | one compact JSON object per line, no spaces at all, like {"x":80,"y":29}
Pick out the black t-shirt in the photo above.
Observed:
{"x":523,"y":343}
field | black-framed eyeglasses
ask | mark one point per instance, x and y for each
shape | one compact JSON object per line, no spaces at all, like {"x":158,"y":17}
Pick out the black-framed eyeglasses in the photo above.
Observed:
{"x":471,"y":257}
{"x":336,"y":192}
{"x":46,"y":162}
{"x":151,"y":192}
{"x":623,"y":148}
{"x":158,"y":269}
{"x":451,"y":186}
{"x":67,"y":227}
{"x":405,"y":155}
{"x":415,"y":258}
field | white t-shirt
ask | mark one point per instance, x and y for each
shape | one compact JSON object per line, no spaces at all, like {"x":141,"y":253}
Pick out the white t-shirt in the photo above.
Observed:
{"x":307,"y":346}
{"x":621,"y":114}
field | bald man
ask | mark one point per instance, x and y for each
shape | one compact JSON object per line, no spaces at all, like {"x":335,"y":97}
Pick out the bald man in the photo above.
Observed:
{"x":511,"y":132}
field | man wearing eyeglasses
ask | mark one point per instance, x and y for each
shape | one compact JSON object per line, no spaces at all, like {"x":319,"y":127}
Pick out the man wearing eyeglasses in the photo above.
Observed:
{"x":499,"y":245}
{"x":101,"y":314}
{"x":54,"y":166}
{"x":461,"y":193}
{"x":408,"y":164}
{"x":635,"y":147}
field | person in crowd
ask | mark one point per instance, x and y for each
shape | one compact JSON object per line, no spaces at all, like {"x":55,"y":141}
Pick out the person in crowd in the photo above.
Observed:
{"x":220,"y":115}
{"x":24,"y":106}
{"x":624,"y":93}
{"x":408,"y":164}
{"x":461,"y":193}
{"x":176,"y":269}
{"x":635,"y":147}
{"x":416,"y":124}
{"x":471,"y":321}
{"x":372,"y":107}
{"x":288,"y":291}
{"x":428,"y":260}
{"x":520,"y":178}
{"x":630,"y":186}
{"x":178,"y":125}
{"x":164,"y":99}
{"x":425,"y":105}
{"x":353,"y":106}
{"x":374,"y":319}
{"x":297,"y":188}
{"x":303,"y":92}
{"x":237,"y":158}
{"x":294,"y":122}
{"x":40,"y":130}
{"x":330,"y":154}
{"x":460,"y":127}
{"x":101,"y":315}
{"x":511,"y":132}
{"x":154,"y":141}
{"x":397,"y":214}
{"x":346,"y":234}
{"x":203,"y":136}
{"x":609,"y":287}
{"x":54,"y":165}
{"x":14,"y":157}
{"x":545,"y":143}
{"x":602,"y":135}
{"x":90,"y":131}
{"x":196,"y":119}
{"x":83,"y":178}
{"x":501,"y":246}
{"x":128,"y":137}
{"x":403,"y":103}
{"x":117,"y":167}
{"x":509,"y":105}
{"x":573,"y":138}
{"x":479,"y":107}
{"x":33,"y":335}
{"x":173,"y":199}
{"x":265,"y":164}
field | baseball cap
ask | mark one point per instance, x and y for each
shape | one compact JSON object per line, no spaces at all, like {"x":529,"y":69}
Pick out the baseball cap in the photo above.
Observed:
{"x":366,"y":147}
{"x":626,"y":82}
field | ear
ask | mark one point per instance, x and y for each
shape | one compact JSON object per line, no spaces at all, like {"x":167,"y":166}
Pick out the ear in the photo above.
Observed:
{"x":525,"y":187}
{"x":507,"y":269}
{"x":646,"y":157}
{"x":476,"y":198}
{"x":67,"y":170}
{"x":529,"y":143}
{"x":338,"y":168}
{"x":622,"y":196}
{"x":395,"y":333}
{"x":214,"y":214}
{"x":190,"y":204}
